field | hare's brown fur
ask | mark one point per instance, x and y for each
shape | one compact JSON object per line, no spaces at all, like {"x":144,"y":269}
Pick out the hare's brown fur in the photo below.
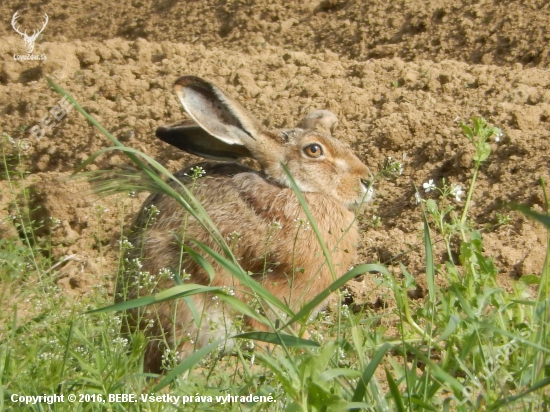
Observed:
{"x":275,"y":243}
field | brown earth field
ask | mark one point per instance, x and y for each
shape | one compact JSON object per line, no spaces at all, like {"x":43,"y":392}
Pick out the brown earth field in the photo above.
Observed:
{"x":400,"y":77}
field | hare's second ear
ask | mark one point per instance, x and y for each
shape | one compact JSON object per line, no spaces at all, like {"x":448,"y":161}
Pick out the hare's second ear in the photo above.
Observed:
{"x":322,"y":120}
{"x":192,"y":138}
{"x":219,"y":115}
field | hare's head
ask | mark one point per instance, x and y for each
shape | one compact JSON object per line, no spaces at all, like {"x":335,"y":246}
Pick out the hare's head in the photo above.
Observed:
{"x":221,"y":129}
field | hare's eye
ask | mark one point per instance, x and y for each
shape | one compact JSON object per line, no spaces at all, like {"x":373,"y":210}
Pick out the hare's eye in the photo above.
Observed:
{"x":313,"y":150}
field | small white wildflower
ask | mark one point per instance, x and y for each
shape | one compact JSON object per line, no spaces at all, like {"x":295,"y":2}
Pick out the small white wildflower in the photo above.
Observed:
{"x":185,"y":276}
{"x":165,"y":272}
{"x":125,"y":244}
{"x":198,"y":171}
{"x":122,"y":342}
{"x":24,"y":145}
{"x":429,"y":185}
{"x":152,"y":211}
{"x":457,"y":192}
{"x":234,"y":235}
{"x":54,"y":222}
{"x":341,"y":353}
{"x":229,"y":290}
{"x":46,"y":356}
{"x":417,"y":198}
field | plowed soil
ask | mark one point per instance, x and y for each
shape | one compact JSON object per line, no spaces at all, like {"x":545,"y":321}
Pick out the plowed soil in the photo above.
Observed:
{"x":400,"y":78}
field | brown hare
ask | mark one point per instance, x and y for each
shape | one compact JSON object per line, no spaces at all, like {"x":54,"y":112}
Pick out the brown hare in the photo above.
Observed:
{"x":256,"y":207}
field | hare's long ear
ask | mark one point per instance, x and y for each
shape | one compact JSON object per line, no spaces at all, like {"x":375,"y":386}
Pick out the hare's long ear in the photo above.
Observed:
{"x":216,"y":113}
{"x":192,"y":138}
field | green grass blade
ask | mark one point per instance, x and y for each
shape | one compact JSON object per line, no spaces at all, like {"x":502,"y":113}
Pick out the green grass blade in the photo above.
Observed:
{"x":91,"y":119}
{"x":279,"y":339}
{"x":168,"y":294}
{"x":317,"y":300}
{"x":312,"y":222}
{"x":544,"y":219}
{"x":511,"y":336}
{"x":356,"y":406}
{"x":361,"y":388}
{"x":333,"y":373}
{"x":244,"y":278}
{"x":430,"y":266}
{"x":187,"y":364}
{"x":184,"y":290}
{"x":242,"y":307}
{"x":509,"y":400}
{"x":422,"y":404}
{"x":128,"y":304}
{"x":203,"y":263}
{"x":438,"y":372}
{"x":395,"y":393}
{"x":202,"y":217}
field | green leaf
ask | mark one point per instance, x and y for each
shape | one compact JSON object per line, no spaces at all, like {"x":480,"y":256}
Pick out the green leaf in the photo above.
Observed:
{"x":467,"y":131}
{"x":408,"y":279}
{"x":452,"y":324}
{"x":530,"y":279}
{"x":431,"y":205}
{"x":483,"y":151}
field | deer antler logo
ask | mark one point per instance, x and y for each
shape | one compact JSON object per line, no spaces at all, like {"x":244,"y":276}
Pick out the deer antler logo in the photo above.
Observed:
{"x":29,"y":40}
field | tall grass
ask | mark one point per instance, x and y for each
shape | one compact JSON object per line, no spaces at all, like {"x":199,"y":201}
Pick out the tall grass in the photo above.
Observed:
{"x":469,"y":345}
